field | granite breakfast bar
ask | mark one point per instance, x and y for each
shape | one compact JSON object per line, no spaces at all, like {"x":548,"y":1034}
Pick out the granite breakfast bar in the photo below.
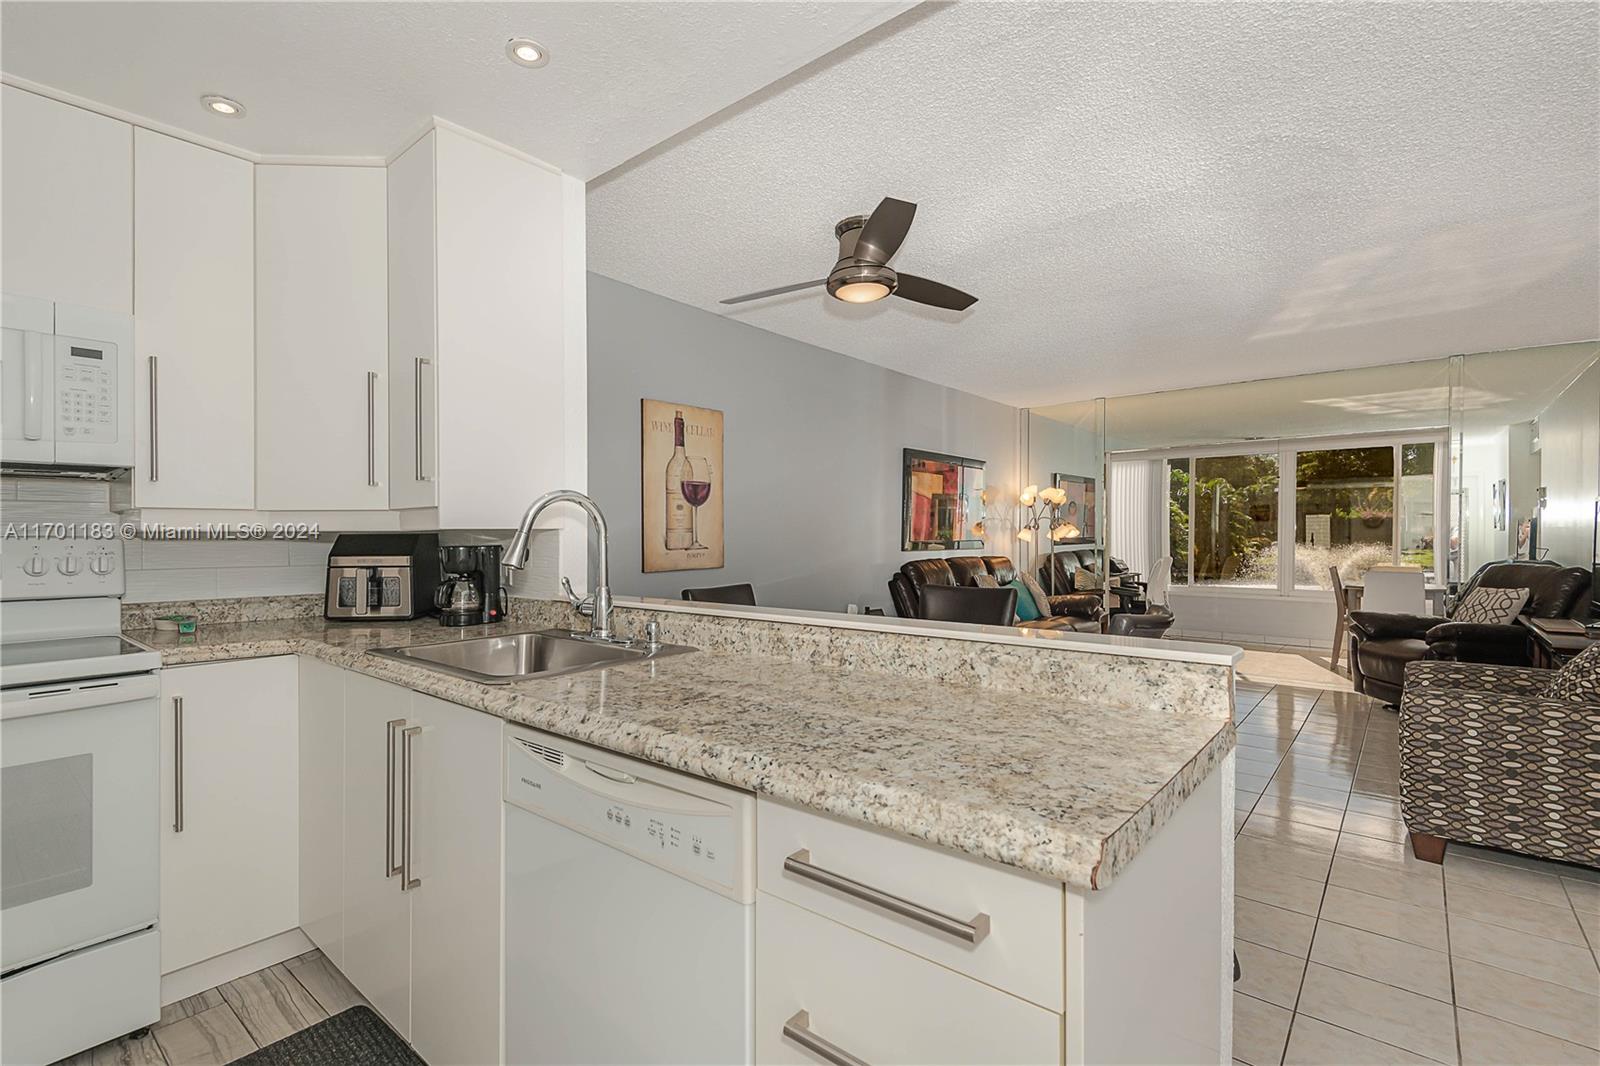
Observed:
{"x":1116,"y":802}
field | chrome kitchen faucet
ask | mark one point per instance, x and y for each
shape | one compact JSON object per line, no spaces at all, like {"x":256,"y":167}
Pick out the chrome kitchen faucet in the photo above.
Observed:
{"x":597,"y":606}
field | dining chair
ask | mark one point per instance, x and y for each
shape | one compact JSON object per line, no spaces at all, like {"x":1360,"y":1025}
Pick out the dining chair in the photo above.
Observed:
{"x":742,"y":595}
{"x":1394,"y":591}
{"x":1155,"y":593}
{"x":1341,"y":620}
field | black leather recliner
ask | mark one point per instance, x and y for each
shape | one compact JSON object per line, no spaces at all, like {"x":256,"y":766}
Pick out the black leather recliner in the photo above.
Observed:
{"x":1381,"y":645}
{"x":1075,"y":611}
{"x":1152,"y":622}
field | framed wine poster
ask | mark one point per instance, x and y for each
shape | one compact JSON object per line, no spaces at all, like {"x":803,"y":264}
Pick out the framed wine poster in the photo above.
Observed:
{"x":681,"y":477}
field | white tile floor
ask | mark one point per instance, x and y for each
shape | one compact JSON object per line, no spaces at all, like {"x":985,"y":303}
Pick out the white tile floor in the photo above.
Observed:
{"x":1353,"y":951}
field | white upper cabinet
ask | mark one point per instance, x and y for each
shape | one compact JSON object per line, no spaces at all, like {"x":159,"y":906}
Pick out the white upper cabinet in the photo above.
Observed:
{"x":322,"y":437}
{"x":486,"y":315}
{"x":413,"y":356}
{"x":66,"y":182}
{"x":194,"y":326}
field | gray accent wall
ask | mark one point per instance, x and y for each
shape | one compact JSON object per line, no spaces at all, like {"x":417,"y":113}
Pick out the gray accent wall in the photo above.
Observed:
{"x":812,"y":449}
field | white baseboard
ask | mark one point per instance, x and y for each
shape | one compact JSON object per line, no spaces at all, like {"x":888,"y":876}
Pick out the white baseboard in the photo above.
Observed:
{"x":229,"y":966}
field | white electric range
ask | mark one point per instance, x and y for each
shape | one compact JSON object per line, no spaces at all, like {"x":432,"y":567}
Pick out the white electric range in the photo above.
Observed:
{"x":80,"y":957}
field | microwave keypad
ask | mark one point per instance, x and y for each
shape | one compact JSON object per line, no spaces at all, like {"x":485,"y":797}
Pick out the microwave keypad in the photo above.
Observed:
{"x":86,"y":404}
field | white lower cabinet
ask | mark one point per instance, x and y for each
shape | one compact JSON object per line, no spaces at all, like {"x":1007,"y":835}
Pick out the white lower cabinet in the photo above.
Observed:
{"x":456,"y":814}
{"x":377,"y":913}
{"x":230,"y":807}
{"x":322,"y":806}
{"x":417,"y":873}
{"x":878,"y":1003}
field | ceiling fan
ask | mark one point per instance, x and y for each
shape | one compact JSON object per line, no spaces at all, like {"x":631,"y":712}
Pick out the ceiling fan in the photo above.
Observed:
{"x":863,"y":274}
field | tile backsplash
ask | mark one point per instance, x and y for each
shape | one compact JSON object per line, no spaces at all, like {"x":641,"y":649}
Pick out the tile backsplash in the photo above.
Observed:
{"x":160,"y":570}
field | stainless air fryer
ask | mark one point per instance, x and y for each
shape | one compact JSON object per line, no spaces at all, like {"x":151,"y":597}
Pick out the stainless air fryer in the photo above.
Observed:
{"x":382,"y":576}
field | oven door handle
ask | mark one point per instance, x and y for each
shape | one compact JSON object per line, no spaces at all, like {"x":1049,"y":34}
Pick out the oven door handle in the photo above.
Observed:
{"x":76,"y":695}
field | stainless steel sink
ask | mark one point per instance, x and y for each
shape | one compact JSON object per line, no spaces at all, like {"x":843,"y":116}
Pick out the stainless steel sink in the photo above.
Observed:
{"x":520,"y":656}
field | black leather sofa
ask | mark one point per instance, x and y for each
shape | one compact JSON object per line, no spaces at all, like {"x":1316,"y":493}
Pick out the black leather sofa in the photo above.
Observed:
{"x":1077,"y":611}
{"x":1382,"y":645}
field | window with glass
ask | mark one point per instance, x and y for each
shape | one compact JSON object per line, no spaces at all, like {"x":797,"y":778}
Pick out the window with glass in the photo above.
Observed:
{"x":1234,"y":520}
{"x":1344,"y":513}
{"x":1344,"y":508}
{"x":1178,"y":519}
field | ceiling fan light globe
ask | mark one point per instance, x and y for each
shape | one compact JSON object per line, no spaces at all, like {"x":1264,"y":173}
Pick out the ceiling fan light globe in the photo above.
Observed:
{"x":862,"y":292}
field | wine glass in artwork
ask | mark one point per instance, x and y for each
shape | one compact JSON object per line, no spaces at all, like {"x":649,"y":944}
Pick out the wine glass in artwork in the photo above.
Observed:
{"x":696,"y":486}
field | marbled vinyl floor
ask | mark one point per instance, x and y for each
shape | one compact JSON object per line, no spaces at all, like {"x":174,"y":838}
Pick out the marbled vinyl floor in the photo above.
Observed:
{"x":1355,"y":952}
{"x":222,"y":1024}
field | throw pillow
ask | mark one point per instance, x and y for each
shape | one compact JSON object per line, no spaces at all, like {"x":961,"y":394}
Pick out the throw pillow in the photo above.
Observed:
{"x":1041,"y":599}
{"x":1084,"y":580}
{"x":984,"y":581}
{"x":1495,"y":607}
{"x":1579,"y":680}
{"x":1027,"y":610}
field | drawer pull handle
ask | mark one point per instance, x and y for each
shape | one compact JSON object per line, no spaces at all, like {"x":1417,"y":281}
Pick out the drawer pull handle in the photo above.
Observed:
{"x":798,"y":1029}
{"x":972,"y":932}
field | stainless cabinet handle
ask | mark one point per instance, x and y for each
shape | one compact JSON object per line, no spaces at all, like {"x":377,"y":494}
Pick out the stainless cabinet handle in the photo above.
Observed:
{"x":407,"y":882}
{"x":372,"y":427}
{"x":177,"y":764}
{"x":390,"y":867}
{"x":972,"y":932}
{"x":155,"y":422}
{"x":798,"y":1029}
{"x":421,"y":362}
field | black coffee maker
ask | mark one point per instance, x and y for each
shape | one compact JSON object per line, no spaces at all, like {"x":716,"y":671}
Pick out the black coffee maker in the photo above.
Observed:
{"x":470,"y":593}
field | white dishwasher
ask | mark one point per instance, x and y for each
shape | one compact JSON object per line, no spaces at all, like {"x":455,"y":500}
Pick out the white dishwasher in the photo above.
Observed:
{"x":629,"y":917}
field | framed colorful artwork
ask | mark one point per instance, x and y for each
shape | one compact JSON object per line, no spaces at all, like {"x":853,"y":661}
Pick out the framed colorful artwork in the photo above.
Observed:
{"x":1079,"y":509}
{"x":942,"y":502}
{"x":681,"y":479}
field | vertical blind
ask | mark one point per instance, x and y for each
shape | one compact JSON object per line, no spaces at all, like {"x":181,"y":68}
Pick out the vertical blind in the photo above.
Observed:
{"x":1135,"y":533}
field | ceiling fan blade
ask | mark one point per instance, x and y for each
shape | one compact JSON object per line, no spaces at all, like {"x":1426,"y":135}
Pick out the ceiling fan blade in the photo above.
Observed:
{"x":881,"y":237}
{"x":779,"y":291}
{"x":933,"y":293}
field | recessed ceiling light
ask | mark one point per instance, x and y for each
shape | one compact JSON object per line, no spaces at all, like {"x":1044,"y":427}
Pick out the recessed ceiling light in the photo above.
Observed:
{"x":525,"y":51}
{"x":221,"y":105}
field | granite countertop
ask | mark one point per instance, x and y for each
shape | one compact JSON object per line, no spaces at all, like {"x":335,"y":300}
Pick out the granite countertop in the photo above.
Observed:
{"x":1069,"y":791}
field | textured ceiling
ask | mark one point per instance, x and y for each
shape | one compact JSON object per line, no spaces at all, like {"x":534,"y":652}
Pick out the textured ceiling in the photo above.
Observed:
{"x":1152,"y":196}
{"x":356,"y":79}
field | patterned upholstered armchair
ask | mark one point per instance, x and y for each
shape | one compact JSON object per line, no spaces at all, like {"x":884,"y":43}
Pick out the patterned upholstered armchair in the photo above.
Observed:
{"x":1502,"y":757}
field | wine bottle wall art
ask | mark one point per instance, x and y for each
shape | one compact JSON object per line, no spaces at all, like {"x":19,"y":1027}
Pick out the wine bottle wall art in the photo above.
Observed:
{"x":682,"y":485}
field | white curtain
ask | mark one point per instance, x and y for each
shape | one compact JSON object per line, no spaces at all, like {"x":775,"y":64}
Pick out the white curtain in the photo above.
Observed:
{"x":1135,"y":532}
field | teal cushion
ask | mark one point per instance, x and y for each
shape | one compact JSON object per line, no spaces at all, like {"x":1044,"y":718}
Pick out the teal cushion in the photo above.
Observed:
{"x":1027,"y":610}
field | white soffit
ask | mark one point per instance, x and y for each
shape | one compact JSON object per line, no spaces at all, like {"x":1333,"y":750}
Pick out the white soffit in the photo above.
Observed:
{"x":348,"y":79}
{"x":1152,"y":196}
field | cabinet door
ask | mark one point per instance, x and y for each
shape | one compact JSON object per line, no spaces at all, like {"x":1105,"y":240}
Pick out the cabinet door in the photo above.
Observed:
{"x":413,"y":365}
{"x":377,"y":914}
{"x":322,"y":806}
{"x":67,"y":204}
{"x":194,"y":329}
{"x":879,"y":1003}
{"x":455,"y":910}
{"x":322,"y":438}
{"x":230,"y":817}
{"x":503,"y":324}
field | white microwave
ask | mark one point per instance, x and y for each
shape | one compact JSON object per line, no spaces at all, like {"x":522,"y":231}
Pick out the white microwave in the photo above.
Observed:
{"x":66,"y":385}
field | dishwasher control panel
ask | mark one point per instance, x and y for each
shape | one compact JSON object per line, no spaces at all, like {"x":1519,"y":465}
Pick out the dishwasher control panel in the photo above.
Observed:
{"x":691,"y":827}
